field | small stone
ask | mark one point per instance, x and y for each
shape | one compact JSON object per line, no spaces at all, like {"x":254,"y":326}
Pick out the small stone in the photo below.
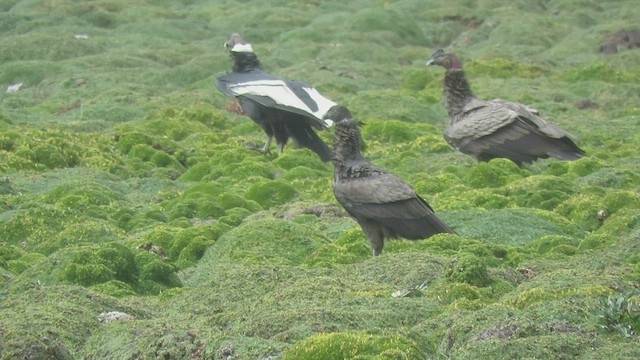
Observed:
{"x":602,"y":214}
{"x":111,"y":316}
{"x":14,"y":87}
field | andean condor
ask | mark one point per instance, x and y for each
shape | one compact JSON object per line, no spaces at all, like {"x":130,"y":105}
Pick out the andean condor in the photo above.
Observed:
{"x":497,"y":128}
{"x":283,"y":108}
{"x":384,"y":205}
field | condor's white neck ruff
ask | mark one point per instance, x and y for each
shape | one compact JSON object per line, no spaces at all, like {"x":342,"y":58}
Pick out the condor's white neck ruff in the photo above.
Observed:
{"x":247,"y":48}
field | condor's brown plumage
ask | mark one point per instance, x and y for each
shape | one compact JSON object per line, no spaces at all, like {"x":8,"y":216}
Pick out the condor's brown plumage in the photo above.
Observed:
{"x":497,"y":128}
{"x":384,"y":205}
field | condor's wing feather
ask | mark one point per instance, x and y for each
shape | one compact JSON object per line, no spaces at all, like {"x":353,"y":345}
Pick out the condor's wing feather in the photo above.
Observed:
{"x":500,"y":128}
{"x":270,"y":91}
{"x":388,"y":200}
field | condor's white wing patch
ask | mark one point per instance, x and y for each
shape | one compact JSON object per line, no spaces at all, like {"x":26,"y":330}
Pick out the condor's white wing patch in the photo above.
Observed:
{"x":282,"y":94}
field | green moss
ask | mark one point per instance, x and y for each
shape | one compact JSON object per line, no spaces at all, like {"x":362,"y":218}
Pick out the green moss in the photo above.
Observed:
{"x":267,"y":241}
{"x":557,"y":168}
{"x":143,"y":152}
{"x":505,"y":69}
{"x":84,"y":193}
{"x":303,"y":173}
{"x":266,"y":273}
{"x":350,"y":247}
{"x":469,"y":269}
{"x":32,"y":226}
{"x":204,"y":207}
{"x":10,"y":252}
{"x":163,"y":159}
{"x":293,"y":158}
{"x":101,"y":19}
{"x":87,"y":274}
{"x":129,"y":219}
{"x":235,"y":216}
{"x":345,"y":345}
{"x":155,"y":273}
{"x":583,"y":210}
{"x":509,"y":226}
{"x":483,"y":200}
{"x":584,"y":166}
{"x":50,"y":322}
{"x":620,"y":224}
{"x":93,"y":265}
{"x":492,"y":174}
{"x":595,"y":242}
{"x":565,"y":288}
{"x":250,"y":169}
{"x":10,"y":162}
{"x":50,"y":149}
{"x":417,"y":79}
{"x":127,"y":141}
{"x":9,"y":140}
{"x":28,"y":72}
{"x":24,"y":262}
{"x":114,"y":288}
{"x":271,"y":193}
{"x":204,"y":188}
{"x":191,"y":252}
{"x":617,"y":200}
{"x":230,"y":201}
{"x":540,"y":191}
{"x":614,"y":178}
{"x":437,"y":183}
{"x":600,"y":71}
{"x":162,"y":236}
{"x":87,"y":232}
{"x":196,"y":172}
{"x":390,"y":131}
{"x":547,"y":243}
{"x":570,"y":346}
{"x":561,"y":251}
{"x":451,"y":292}
{"x":209,"y":231}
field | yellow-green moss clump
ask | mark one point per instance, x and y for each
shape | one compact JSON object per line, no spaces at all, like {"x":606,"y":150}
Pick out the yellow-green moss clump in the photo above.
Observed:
{"x":469,"y":269}
{"x":268,"y":241}
{"x":271,"y":193}
{"x":350,"y":247}
{"x":339,"y":346}
{"x":495,"y":173}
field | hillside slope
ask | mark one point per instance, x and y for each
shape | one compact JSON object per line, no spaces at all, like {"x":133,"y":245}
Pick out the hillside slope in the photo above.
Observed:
{"x":134,"y":223}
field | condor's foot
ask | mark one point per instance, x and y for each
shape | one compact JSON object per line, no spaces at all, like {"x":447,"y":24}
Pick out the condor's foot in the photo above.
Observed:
{"x":264,"y":149}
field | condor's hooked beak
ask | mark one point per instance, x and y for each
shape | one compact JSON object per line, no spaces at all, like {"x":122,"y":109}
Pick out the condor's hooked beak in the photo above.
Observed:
{"x":435,"y":57}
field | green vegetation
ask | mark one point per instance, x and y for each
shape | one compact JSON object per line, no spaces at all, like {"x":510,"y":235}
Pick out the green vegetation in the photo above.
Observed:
{"x":126,"y":186}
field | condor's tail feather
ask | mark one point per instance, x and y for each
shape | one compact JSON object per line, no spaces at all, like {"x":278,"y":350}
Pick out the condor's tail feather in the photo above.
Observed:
{"x":304,"y":136}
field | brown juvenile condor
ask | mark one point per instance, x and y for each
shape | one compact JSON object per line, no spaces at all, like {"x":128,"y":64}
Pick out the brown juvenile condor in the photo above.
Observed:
{"x":384,"y":205}
{"x":497,"y":128}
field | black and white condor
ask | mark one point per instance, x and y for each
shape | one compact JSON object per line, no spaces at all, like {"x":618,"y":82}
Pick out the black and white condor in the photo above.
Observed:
{"x":283,"y":108}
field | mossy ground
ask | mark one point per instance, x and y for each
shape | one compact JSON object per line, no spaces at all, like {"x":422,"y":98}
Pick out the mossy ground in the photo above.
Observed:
{"x":126,"y":185}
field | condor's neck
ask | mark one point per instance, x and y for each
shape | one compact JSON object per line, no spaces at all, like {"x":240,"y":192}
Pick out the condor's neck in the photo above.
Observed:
{"x":457,"y":92}
{"x":346,"y":146}
{"x":245,"y":62}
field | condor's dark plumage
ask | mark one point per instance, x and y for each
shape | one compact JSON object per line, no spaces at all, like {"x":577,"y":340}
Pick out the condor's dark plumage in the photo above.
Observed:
{"x":497,"y":128}
{"x":284,"y":109}
{"x":383,"y":205}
